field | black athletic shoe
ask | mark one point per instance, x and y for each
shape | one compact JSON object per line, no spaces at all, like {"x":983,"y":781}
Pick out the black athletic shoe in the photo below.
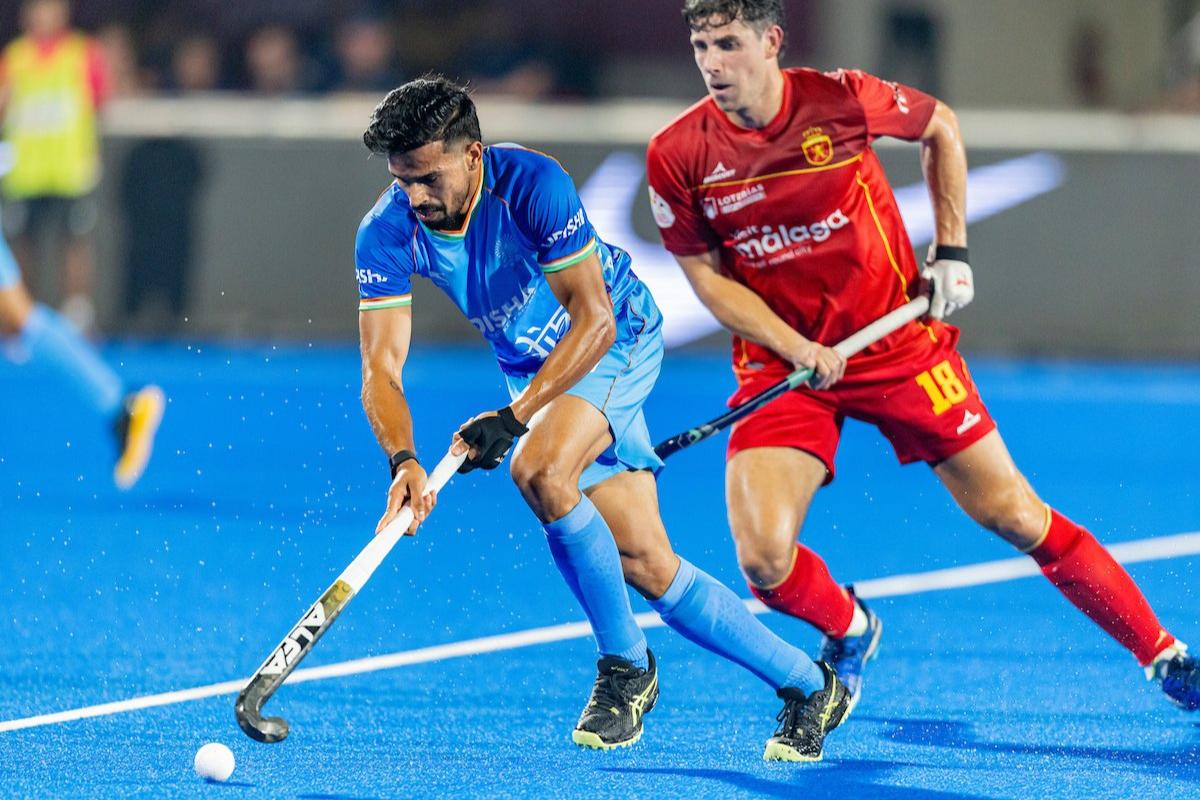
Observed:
{"x":621,"y":696}
{"x":1180,"y":679}
{"x":804,"y":721}
{"x":850,"y":654}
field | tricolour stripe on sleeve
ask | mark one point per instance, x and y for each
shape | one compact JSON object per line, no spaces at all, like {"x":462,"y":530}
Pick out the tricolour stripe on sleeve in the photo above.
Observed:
{"x":372,"y":303}
{"x":574,"y":258}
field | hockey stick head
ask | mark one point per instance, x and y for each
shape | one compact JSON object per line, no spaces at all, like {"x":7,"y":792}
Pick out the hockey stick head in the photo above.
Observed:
{"x":248,"y":710}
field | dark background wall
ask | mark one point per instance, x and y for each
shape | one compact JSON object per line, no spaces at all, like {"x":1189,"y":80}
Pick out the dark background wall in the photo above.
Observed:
{"x":1107,"y":264}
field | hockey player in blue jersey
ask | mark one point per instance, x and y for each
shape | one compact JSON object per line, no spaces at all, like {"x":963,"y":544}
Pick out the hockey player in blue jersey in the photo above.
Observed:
{"x":501,"y":230}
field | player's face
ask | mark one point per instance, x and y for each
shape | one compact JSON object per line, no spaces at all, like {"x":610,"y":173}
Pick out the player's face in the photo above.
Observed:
{"x":737,"y":62}
{"x":439,"y":179}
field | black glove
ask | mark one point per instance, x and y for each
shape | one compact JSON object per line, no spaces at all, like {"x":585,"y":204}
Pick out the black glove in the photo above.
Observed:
{"x":490,"y":437}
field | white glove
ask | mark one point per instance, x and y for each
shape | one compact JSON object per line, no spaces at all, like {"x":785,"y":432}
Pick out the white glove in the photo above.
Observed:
{"x":949,"y":274}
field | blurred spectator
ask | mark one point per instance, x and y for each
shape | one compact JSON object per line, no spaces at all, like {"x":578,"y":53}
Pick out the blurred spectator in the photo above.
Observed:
{"x":1089,"y":55}
{"x":53,"y":81}
{"x":159,"y":190}
{"x":196,"y":65}
{"x":366,"y":56}
{"x":116,"y":42}
{"x":273,"y":62}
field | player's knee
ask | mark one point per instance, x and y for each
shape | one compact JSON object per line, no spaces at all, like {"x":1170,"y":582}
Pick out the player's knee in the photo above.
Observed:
{"x":1017,"y":515}
{"x":543,"y":483}
{"x":764,"y":564}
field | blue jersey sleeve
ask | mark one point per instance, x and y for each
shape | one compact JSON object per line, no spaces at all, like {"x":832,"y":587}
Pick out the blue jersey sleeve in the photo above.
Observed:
{"x":556,"y":221}
{"x":385,"y":262}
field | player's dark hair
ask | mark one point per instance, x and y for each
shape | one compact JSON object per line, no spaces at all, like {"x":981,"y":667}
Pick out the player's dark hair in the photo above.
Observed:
{"x":758,"y":14}
{"x":428,"y":109}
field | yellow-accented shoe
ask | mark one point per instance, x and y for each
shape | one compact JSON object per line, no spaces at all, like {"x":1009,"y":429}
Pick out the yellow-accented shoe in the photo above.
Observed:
{"x":135,"y":430}
{"x":621,"y":696}
{"x":805,"y":720}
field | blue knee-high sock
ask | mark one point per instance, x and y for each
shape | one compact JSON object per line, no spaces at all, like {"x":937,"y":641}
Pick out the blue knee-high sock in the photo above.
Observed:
{"x":586,"y":555}
{"x":50,"y":339}
{"x":715,"y":618}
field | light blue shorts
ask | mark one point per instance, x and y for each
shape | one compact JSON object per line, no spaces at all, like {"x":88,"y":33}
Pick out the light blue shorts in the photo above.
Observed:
{"x":9,"y":274}
{"x":618,"y":386}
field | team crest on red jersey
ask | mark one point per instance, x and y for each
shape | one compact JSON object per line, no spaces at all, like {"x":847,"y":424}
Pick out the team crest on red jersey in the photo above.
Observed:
{"x":817,"y":147}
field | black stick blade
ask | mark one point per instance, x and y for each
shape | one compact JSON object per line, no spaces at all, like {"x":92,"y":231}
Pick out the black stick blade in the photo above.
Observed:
{"x":249,"y":713}
{"x":283,"y":660}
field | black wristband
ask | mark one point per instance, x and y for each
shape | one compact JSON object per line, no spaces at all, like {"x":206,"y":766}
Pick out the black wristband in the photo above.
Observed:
{"x":511,"y":422}
{"x":950,"y":252}
{"x":398,"y":458}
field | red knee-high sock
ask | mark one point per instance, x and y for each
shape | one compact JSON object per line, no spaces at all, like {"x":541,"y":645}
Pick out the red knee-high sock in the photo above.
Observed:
{"x":1087,"y":574}
{"x":810,"y":593}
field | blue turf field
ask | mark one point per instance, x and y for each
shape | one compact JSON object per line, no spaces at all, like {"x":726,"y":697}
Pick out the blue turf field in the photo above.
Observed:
{"x":267,"y":483}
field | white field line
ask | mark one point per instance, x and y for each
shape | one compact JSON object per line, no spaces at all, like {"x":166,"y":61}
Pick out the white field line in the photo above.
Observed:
{"x":1154,"y":549}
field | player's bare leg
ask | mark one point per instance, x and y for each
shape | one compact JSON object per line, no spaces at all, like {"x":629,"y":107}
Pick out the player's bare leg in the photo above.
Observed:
{"x":564,"y":438}
{"x":767,"y":492}
{"x":629,"y":504}
{"x":987,"y":485}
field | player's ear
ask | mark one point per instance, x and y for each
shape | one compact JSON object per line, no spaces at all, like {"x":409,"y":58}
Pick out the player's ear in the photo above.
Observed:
{"x":474,"y":155}
{"x":773,"y":40}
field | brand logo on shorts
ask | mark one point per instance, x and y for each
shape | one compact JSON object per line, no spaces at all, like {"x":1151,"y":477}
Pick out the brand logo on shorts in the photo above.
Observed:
{"x":969,"y":421}
{"x":720,"y":172}
{"x":817,"y":147}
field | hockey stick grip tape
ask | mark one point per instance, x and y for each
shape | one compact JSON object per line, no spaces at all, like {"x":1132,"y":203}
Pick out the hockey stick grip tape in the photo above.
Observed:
{"x":887,"y":324}
{"x":365,"y":563}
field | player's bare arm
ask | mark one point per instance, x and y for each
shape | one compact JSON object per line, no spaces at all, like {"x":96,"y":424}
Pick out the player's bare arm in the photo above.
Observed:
{"x":944,"y":163}
{"x":384,"y":337}
{"x":580,"y":289}
{"x":746,"y":314}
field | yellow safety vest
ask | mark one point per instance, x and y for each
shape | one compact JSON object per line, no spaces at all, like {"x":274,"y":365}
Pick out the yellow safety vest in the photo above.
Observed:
{"x":50,"y":121}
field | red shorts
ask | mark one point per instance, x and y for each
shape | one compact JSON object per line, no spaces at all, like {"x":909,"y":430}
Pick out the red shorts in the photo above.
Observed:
{"x":929,"y":412}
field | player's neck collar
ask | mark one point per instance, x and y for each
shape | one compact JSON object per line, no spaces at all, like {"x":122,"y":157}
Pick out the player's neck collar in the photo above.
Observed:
{"x":777,"y":121}
{"x":462,"y":232}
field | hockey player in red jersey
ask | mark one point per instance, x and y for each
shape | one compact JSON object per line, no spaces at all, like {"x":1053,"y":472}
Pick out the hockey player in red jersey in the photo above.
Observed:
{"x":771,"y":198}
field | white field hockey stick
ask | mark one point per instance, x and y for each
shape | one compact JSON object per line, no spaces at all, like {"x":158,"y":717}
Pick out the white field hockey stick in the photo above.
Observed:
{"x":320,"y":616}
{"x":852,"y":345}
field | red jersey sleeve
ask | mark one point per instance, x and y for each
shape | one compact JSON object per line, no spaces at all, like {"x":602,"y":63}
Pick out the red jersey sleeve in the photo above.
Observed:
{"x":682,"y":225}
{"x":892,"y":109}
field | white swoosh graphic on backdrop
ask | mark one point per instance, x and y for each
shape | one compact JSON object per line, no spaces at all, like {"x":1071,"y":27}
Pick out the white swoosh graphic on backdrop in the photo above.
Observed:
{"x":609,"y":193}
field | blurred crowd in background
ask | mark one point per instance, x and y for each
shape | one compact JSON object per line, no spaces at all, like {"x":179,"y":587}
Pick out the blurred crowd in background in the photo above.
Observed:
{"x":534,"y":49}
{"x":302,"y":47}
{"x":65,"y":59}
